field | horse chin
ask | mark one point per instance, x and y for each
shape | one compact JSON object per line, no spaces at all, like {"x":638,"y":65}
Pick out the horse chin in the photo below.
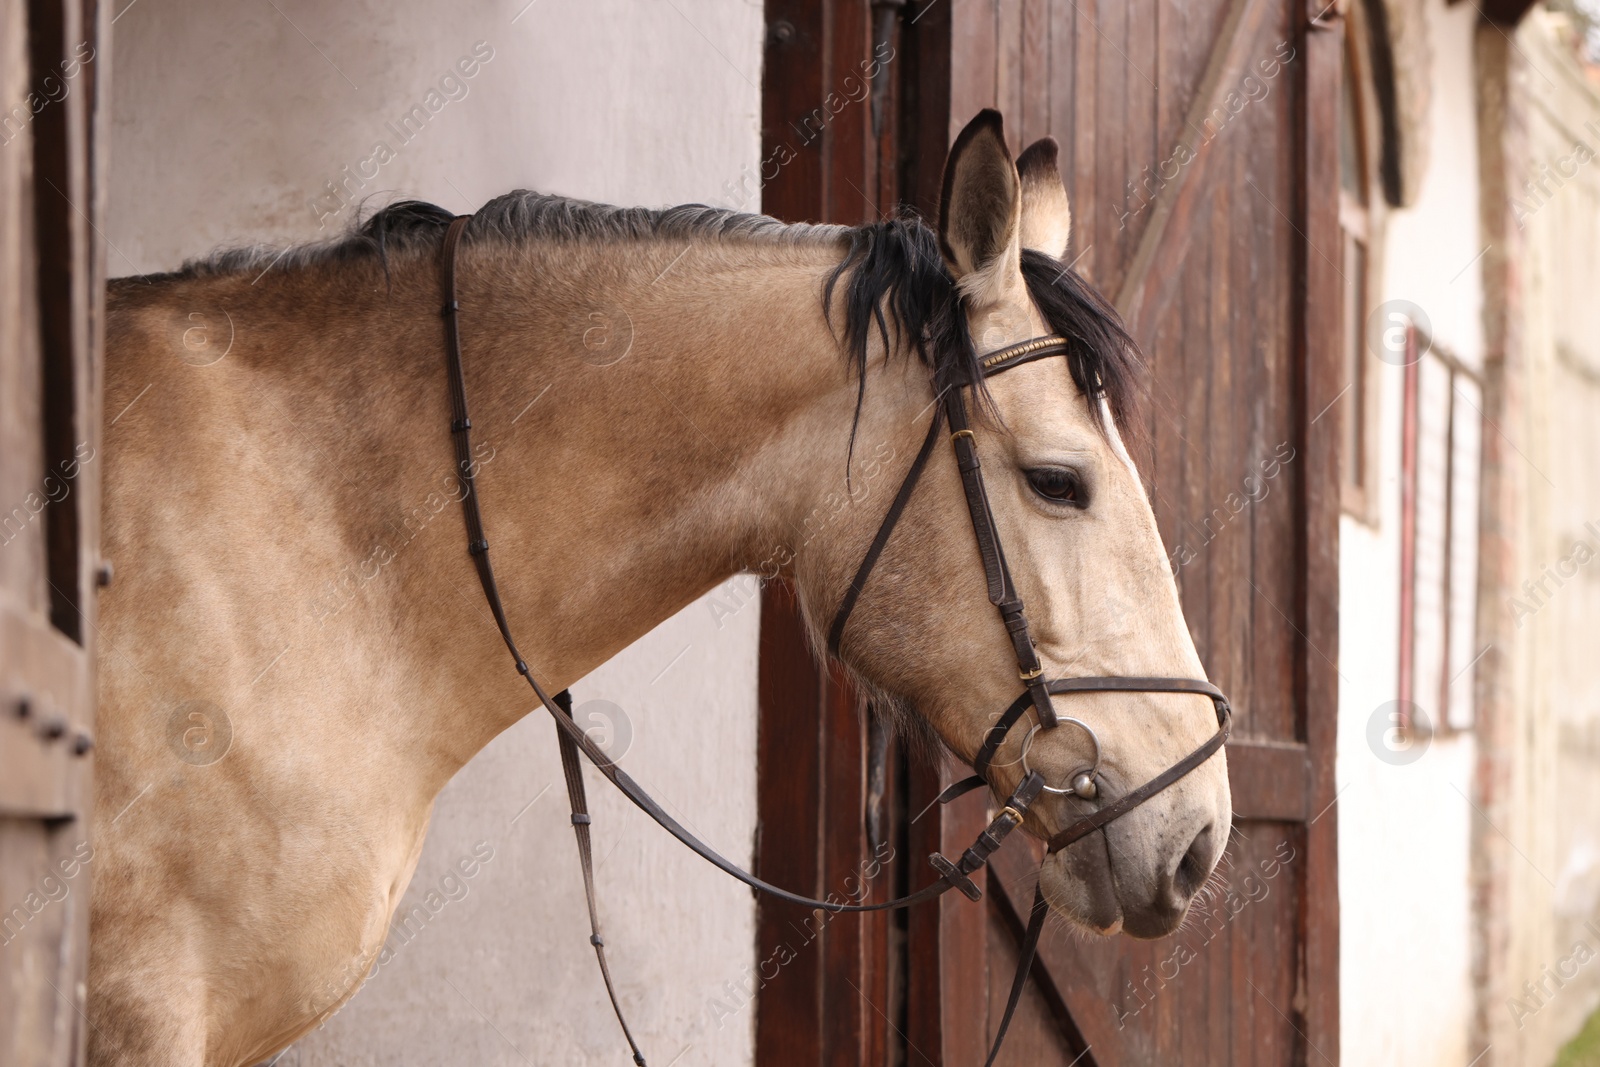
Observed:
{"x":1078,"y":885}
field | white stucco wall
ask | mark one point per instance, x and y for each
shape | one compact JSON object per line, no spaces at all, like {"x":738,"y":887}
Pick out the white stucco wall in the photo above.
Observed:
{"x":1404,"y":829}
{"x":229,"y":122}
{"x":1433,"y":248}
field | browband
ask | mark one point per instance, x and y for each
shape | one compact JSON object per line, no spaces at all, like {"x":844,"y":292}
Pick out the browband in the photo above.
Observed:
{"x":1026,"y":352}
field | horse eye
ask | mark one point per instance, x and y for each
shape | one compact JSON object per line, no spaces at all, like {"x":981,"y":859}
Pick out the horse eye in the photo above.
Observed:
{"x":1059,"y":484}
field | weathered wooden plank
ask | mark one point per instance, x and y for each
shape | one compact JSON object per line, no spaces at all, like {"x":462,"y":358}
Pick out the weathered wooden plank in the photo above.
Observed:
{"x":848,"y":1004}
{"x":791,"y":178}
{"x":973,"y":63}
{"x":963,"y":940}
{"x":1228,"y":59}
{"x":788,"y":791}
{"x":1270,"y":780}
{"x":51,"y":281}
{"x":1008,"y":69}
{"x":1319,"y":695}
{"x":1033,"y":120}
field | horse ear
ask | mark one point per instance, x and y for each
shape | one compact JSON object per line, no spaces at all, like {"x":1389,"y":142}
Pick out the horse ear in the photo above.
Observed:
{"x":980,"y":212}
{"x":1046,"y":215}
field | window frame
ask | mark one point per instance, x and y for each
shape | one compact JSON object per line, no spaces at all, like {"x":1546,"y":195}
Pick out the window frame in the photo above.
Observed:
{"x":1419,"y":348}
{"x":1360,"y":228}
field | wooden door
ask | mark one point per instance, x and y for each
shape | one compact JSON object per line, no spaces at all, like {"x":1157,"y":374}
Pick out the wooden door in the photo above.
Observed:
{"x":831,"y":988}
{"x":1198,"y":146}
{"x":51,"y":281}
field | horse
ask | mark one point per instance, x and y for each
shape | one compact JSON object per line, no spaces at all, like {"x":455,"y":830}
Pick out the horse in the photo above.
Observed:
{"x":708,"y":383}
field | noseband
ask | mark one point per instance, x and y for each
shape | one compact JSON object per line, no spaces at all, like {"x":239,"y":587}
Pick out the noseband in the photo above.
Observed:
{"x":1085,"y":784}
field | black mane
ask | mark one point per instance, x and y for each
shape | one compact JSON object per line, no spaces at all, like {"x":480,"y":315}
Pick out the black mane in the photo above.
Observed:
{"x":895,"y":279}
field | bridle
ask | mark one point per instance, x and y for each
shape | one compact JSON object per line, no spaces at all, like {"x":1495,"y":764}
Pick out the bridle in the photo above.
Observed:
{"x":1085,"y":783}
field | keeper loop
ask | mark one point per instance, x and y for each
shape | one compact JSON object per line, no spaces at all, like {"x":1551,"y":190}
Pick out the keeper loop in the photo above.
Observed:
{"x":580,"y":819}
{"x":460,"y":424}
{"x":478,"y":547}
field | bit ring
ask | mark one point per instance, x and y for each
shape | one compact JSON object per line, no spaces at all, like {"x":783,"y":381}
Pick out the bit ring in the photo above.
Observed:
{"x":1082,"y":779}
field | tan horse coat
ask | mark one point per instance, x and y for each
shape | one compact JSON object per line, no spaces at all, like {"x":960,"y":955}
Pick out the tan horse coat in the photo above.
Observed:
{"x":296,"y":656}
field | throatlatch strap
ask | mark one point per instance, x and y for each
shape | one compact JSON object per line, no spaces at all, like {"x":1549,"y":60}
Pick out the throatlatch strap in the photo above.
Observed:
{"x":890,"y":518}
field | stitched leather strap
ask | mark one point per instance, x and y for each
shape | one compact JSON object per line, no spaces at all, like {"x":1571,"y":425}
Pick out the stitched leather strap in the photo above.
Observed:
{"x":1002,"y":592}
{"x":890,"y":518}
{"x":478,"y":547}
{"x":1133,"y":798}
{"x":996,"y":735}
{"x":1026,"y":352}
{"x":572,"y":770}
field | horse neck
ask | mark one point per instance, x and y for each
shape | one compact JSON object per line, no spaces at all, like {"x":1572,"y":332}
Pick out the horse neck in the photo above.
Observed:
{"x":648,"y":420}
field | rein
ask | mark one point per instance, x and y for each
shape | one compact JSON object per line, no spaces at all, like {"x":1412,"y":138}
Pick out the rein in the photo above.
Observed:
{"x":1002,"y":594}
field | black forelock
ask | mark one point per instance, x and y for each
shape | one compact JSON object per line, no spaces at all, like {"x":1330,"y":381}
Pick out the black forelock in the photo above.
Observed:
{"x":898,"y":286}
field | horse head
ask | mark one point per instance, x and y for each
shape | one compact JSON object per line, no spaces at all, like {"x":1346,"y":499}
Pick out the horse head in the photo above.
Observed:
{"x":1077,"y":548}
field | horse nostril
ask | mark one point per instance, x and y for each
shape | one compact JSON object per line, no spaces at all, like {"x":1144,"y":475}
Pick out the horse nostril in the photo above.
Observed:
{"x":1195,"y":865}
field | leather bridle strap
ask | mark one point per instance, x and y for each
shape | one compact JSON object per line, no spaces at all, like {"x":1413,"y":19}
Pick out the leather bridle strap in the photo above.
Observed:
{"x":890,"y":518}
{"x":1026,"y":352}
{"x":1134,"y":797}
{"x":1027,"y":949}
{"x":1002,"y":591}
{"x":577,"y":796}
{"x":1011,"y":814}
{"x":1087,"y":825}
{"x":478,"y":547}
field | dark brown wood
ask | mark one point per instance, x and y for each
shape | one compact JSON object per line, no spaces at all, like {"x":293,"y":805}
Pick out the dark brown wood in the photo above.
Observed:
{"x":849,"y":1006}
{"x":51,"y":283}
{"x":789,"y":796}
{"x":1172,"y":202}
{"x":1203,"y":202}
{"x":1505,"y":13}
{"x":1270,"y":780}
{"x":59,"y":160}
{"x":1318,"y":979}
{"x":964,"y":977}
{"x":924,"y":74}
{"x":1220,"y":261}
{"x":837,"y":991}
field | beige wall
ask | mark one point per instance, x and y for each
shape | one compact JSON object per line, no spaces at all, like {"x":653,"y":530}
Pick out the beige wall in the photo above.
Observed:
{"x":229,"y":122}
{"x":1555,"y":894}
